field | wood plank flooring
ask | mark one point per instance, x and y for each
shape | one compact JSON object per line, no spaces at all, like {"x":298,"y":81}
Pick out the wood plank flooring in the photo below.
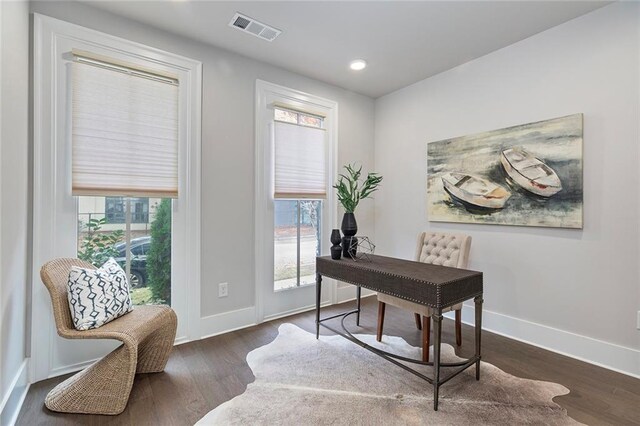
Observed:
{"x":201,"y":375}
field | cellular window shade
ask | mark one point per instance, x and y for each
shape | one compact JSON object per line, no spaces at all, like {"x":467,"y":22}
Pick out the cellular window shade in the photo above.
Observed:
{"x":300,"y":167}
{"x":124,"y":134}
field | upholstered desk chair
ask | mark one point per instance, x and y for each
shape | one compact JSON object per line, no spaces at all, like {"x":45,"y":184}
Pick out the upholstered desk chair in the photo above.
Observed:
{"x":147,"y":334}
{"x":438,"y":249}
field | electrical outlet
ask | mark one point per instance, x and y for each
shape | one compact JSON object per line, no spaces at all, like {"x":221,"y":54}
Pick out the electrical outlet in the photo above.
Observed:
{"x":223,"y":290}
{"x":638,"y":325}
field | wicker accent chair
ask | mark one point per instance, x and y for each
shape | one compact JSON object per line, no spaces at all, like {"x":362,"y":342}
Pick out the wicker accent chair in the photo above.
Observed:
{"x":438,"y":249}
{"x":147,"y":334}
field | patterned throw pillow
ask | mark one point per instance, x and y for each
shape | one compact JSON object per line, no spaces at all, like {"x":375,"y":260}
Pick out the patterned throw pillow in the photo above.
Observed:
{"x":97,"y":296}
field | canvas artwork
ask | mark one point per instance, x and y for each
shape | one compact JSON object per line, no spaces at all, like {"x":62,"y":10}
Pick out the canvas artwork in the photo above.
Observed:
{"x":528,"y":175}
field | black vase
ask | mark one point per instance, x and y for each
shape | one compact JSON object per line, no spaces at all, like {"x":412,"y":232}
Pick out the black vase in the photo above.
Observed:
{"x":350,"y":247}
{"x":349,"y":229}
{"x":335,"y":237}
{"x":336,"y":250}
{"x":349,"y":225}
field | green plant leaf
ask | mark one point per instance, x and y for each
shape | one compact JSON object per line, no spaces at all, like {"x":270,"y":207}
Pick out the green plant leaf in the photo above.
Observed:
{"x":348,"y":188}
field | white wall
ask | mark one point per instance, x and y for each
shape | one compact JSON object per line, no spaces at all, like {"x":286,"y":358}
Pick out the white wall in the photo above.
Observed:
{"x":228,"y":145}
{"x":586,"y":281}
{"x":14,"y":176}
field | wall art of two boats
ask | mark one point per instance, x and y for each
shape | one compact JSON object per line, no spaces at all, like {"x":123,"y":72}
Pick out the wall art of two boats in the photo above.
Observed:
{"x":523,"y":169}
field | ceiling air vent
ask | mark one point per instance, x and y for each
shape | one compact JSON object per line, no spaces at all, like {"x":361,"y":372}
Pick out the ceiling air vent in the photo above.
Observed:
{"x":253,"y":27}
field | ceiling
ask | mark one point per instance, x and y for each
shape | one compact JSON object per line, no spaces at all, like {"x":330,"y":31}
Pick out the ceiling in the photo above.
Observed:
{"x":402,"y":42}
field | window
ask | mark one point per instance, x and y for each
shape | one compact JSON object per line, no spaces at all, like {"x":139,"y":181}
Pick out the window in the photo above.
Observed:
{"x":57,"y":227}
{"x":300,"y":186}
{"x":299,"y":118}
{"x":297,"y":242}
{"x":295,"y":154}
{"x":114,"y":208}
{"x":140,"y":250}
{"x":127,"y":118}
{"x":105,"y":233}
{"x":299,"y":169}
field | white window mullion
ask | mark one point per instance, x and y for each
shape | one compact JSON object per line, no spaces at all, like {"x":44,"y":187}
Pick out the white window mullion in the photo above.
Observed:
{"x":298,"y":220}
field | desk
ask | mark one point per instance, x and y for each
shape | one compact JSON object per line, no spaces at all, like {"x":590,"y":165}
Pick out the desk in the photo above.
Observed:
{"x":432,"y":285}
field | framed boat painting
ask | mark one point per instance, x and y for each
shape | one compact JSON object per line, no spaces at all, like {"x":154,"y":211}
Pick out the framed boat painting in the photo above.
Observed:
{"x":527,"y":175}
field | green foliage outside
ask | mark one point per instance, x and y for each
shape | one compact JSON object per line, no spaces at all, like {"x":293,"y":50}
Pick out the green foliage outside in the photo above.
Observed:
{"x":141,"y":296}
{"x":159,"y":255}
{"x":97,"y":247}
{"x":349,"y":190}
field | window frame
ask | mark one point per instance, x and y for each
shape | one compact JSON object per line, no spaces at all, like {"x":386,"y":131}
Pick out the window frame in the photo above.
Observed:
{"x":268,"y":97}
{"x":54,"y":207}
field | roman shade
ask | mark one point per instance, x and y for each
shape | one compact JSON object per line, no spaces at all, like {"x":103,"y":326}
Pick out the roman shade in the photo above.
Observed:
{"x":124,"y":132}
{"x":299,"y":165}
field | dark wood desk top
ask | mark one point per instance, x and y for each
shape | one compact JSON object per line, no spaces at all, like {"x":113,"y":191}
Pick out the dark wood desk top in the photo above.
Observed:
{"x":431,"y":285}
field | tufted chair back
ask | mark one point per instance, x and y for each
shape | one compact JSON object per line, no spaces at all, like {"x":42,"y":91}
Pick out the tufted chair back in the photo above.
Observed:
{"x":439,"y":248}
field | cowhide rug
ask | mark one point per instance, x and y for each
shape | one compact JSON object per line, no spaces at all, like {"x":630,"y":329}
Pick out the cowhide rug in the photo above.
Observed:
{"x":332,"y":381}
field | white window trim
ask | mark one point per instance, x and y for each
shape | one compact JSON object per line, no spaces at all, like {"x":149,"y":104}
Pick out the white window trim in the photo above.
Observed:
{"x":268,"y":95}
{"x":51,"y":141}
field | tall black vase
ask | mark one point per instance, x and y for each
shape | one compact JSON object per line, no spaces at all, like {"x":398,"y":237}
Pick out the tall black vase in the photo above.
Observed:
{"x":349,"y":229}
{"x":336,"y":249}
{"x":349,"y":225}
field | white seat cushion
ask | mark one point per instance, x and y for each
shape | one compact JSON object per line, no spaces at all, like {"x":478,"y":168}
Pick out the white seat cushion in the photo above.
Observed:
{"x":97,"y":296}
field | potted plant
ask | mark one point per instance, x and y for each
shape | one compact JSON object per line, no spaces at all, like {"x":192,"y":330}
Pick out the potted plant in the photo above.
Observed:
{"x":350,"y":192}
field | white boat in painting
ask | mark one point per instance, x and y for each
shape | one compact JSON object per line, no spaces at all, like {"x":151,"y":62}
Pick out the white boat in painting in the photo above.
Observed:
{"x":474,"y":191}
{"x":530,"y":172}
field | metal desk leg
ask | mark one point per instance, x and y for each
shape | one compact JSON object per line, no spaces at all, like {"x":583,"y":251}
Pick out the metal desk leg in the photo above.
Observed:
{"x":478,"y":300}
{"x":437,"y":331}
{"x":358,"y":294}
{"x":318,"y":294}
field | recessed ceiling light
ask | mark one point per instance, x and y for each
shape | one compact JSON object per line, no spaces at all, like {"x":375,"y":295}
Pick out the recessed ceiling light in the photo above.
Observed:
{"x":358,"y":64}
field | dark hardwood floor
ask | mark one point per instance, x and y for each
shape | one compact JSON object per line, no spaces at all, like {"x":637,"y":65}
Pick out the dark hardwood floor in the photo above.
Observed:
{"x":203,"y":374}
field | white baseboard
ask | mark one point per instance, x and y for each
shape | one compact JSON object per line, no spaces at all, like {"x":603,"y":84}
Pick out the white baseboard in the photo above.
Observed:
{"x":181,"y":340}
{"x":294,"y":312}
{"x":226,"y":322}
{"x":593,"y":351}
{"x":72,"y":368}
{"x":347,"y":293}
{"x":15,"y":396}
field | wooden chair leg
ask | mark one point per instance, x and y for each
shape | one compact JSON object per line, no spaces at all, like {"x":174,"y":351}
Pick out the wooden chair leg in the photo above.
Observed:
{"x":418,"y":321}
{"x":381,"y":306}
{"x":426,"y":334}
{"x":458,"y":327}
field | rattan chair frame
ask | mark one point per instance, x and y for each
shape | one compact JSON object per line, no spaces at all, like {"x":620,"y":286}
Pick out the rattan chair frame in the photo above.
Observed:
{"x":147,"y":334}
